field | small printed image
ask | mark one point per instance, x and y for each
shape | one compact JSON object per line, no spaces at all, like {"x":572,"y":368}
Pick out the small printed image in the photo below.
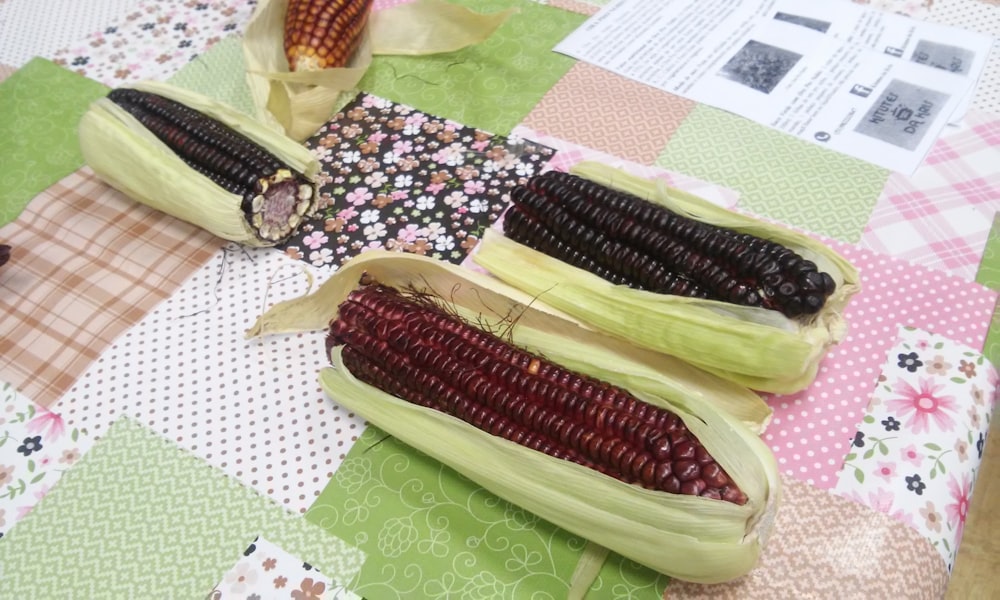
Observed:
{"x":760,"y":66}
{"x":943,"y":56}
{"x":821,"y":26}
{"x":902,"y":114}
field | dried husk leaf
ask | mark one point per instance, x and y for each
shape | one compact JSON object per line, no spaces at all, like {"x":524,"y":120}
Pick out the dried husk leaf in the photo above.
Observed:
{"x":299,"y":102}
{"x":691,"y":538}
{"x":755,"y":347}
{"x":126,"y":155}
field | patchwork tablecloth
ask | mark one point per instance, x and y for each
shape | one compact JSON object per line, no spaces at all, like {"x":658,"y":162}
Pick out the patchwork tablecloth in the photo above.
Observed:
{"x":123,"y":328}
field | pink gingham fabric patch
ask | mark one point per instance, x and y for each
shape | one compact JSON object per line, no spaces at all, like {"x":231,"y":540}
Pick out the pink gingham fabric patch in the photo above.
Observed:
{"x":940,"y":216}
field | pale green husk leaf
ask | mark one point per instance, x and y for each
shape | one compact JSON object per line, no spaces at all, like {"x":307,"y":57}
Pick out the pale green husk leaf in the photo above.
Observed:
{"x":755,"y":347}
{"x":122,"y":152}
{"x":691,"y":538}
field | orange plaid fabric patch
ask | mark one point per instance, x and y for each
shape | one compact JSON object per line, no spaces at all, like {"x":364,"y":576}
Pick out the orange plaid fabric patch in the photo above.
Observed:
{"x":87,"y":264}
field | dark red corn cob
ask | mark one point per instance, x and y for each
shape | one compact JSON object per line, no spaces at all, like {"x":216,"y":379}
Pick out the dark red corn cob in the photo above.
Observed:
{"x":625,"y":239}
{"x":275,"y":198}
{"x":414,"y":350}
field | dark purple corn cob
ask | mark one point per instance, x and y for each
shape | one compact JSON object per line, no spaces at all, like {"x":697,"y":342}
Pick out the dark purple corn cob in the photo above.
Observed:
{"x":275,"y":198}
{"x":4,"y":254}
{"x":418,"y":352}
{"x":627,"y":240}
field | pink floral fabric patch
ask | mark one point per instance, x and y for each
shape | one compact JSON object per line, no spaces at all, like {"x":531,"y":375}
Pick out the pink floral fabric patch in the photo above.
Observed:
{"x":917,"y":451}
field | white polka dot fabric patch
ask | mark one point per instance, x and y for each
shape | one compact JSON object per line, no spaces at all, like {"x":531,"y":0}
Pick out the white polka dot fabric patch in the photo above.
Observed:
{"x":251,"y":408}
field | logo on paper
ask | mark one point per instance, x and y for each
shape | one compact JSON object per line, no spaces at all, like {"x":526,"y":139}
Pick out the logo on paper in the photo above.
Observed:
{"x":902,"y":114}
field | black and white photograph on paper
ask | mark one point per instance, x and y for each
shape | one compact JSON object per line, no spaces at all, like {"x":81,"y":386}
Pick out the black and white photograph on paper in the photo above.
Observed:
{"x":902,"y":114}
{"x":943,"y":56}
{"x":816,"y":24}
{"x":760,"y":66}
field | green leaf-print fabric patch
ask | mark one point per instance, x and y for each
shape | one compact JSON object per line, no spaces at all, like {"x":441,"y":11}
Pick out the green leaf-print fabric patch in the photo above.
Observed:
{"x":989,"y":275}
{"x":778,"y":176}
{"x":219,"y":73}
{"x":140,"y":516}
{"x":41,"y":106}
{"x":492,"y":85}
{"x":430,"y":533}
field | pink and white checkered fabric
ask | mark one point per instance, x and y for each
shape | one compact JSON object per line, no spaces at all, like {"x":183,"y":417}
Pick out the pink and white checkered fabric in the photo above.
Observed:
{"x":940,"y":216}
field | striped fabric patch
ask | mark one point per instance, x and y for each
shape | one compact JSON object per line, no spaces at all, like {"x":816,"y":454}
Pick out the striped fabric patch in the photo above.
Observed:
{"x":87,"y":263}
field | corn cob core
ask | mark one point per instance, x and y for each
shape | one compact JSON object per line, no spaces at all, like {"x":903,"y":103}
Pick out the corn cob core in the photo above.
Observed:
{"x":630,"y":241}
{"x":323,"y":34}
{"x":414,"y":350}
{"x":274,"y":197}
{"x":4,"y":254}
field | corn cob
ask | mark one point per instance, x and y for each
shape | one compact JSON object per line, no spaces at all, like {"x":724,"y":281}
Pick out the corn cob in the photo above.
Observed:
{"x":200,"y":161}
{"x":323,"y":34}
{"x":693,"y":537}
{"x":746,"y":300}
{"x":632,"y":241}
{"x":4,"y":254}
{"x":423,"y":355}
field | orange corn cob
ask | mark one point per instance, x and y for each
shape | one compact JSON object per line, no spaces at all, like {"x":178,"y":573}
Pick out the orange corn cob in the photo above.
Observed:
{"x":323,"y":34}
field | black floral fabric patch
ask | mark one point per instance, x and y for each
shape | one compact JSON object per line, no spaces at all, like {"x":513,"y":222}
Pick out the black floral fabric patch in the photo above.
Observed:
{"x":396,"y":178}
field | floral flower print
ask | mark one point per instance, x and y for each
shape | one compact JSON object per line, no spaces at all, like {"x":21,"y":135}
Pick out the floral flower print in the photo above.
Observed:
{"x":359,"y":196}
{"x":455,"y":199}
{"x":280,"y":581}
{"x":886,"y":470}
{"x":938,"y":366}
{"x":374,"y":231}
{"x":408,"y":234}
{"x":923,"y":405}
{"x":967,"y":368}
{"x":269,"y":563}
{"x":315,"y":240}
{"x":959,"y":508}
{"x":30,"y":445}
{"x":915,"y":485}
{"x":444,"y":243}
{"x":6,"y":474}
{"x":975,"y":420}
{"x":911,"y":455}
{"x":890,"y":424}
{"x":323,"y":256}
{"x":70,"y":456}
{"x":309,"y":590}
{"x":932,"y":518}
{"x":479,"y":206}
{"x":242,"y":577}
{"x":473,"y":187}
{"x":47,"y":423}
{"x":910,"y":361}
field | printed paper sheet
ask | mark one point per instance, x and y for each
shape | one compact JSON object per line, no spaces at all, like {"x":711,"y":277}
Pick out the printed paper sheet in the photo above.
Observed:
{"x":869,"y":84}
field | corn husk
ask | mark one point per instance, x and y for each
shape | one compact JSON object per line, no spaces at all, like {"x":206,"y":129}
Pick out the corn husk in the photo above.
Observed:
{"x":755,"y":347}
{"x":126,"y":155}
{"x":691,"y":538}
{"x":298,"y":103}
